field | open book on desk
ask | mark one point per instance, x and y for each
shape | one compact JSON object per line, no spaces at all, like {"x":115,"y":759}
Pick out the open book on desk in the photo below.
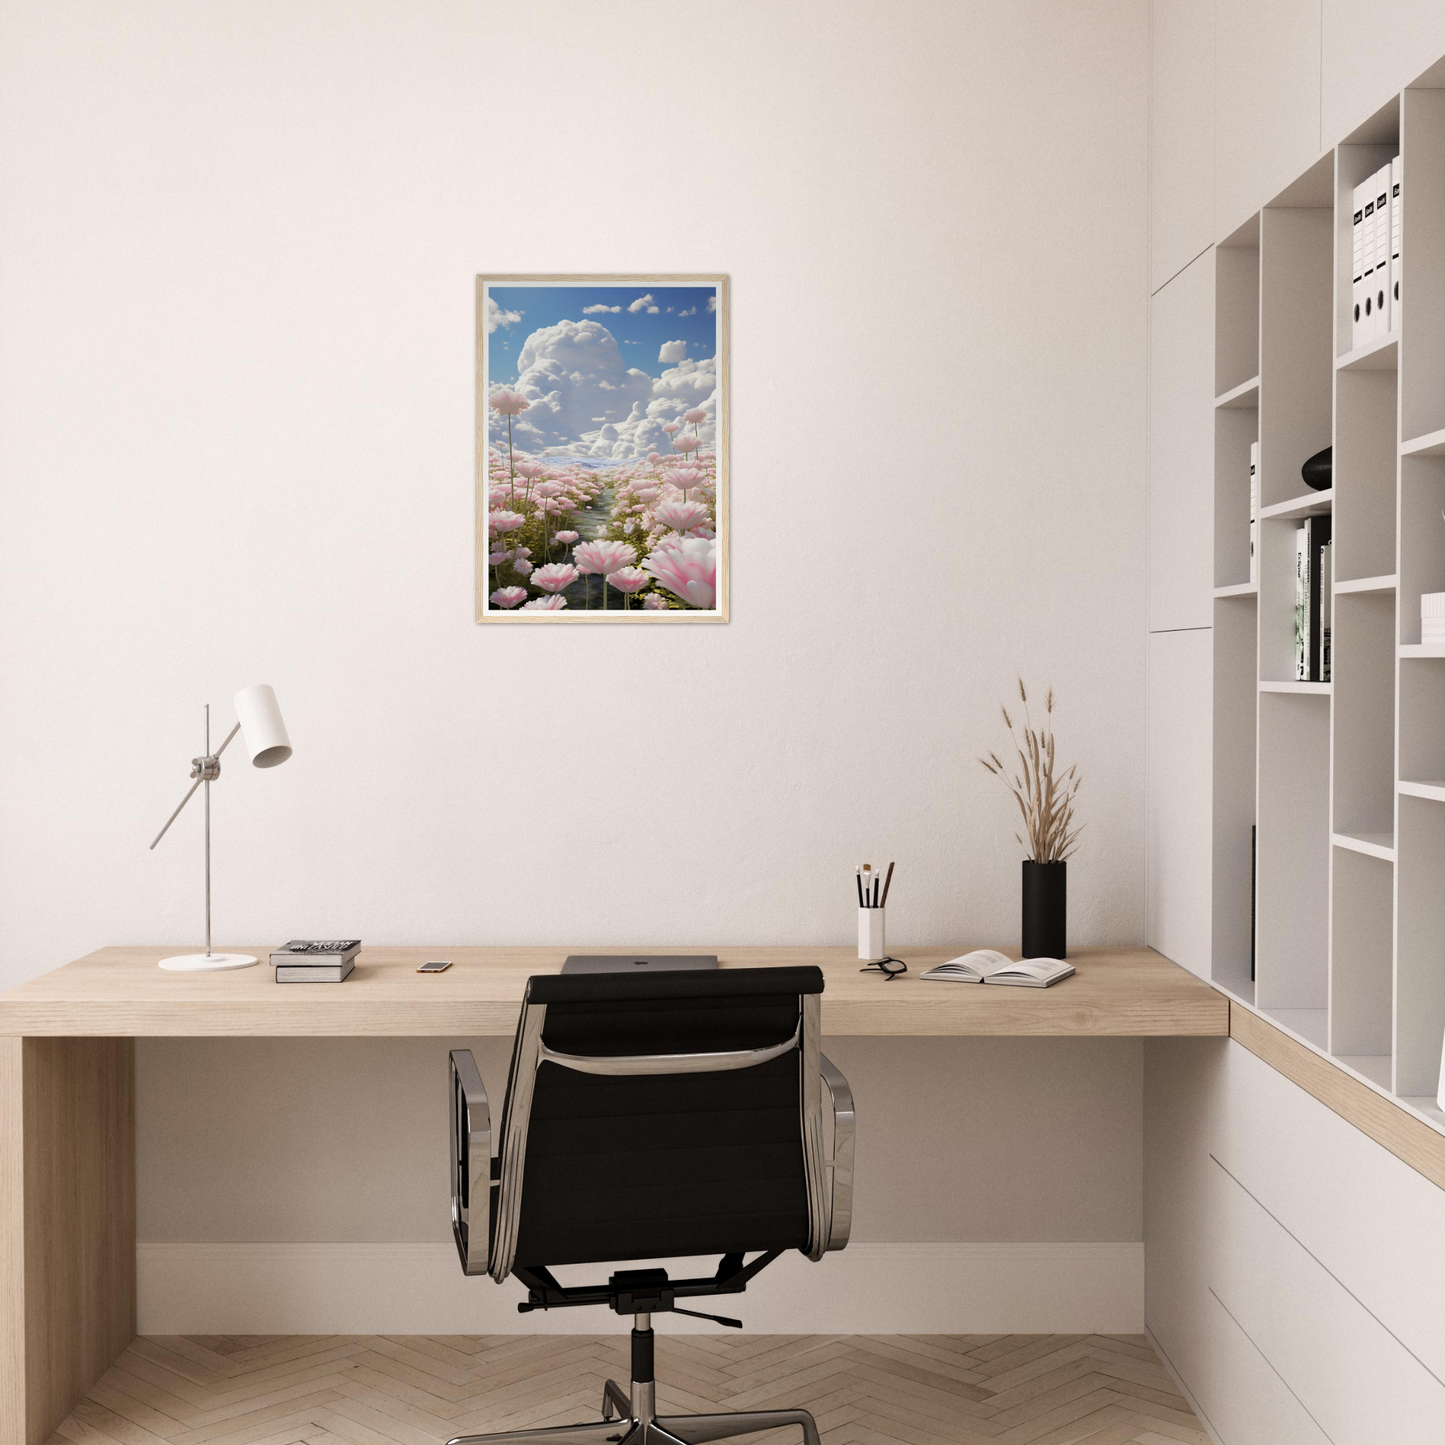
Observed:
{"x":987,"y":965}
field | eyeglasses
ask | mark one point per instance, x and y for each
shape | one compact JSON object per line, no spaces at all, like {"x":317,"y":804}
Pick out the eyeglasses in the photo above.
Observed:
{"x":890,"y":968}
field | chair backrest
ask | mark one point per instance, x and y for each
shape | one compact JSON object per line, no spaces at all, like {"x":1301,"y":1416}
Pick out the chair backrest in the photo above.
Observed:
{"x":669,"y":1114}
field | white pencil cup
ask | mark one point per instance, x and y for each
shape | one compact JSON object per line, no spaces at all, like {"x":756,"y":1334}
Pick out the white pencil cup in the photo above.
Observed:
{"x":871,"y":945}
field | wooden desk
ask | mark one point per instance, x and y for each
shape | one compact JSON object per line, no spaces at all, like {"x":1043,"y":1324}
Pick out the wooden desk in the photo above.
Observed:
{"x":119,"y":992}
{"x":67,"y":1090}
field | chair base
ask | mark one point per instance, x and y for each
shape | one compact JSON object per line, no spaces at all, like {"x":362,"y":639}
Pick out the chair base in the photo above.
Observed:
{"x":641,"y":1427}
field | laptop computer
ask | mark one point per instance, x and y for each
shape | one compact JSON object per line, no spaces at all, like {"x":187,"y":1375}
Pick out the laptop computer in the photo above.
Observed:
{"x":636,"y":962}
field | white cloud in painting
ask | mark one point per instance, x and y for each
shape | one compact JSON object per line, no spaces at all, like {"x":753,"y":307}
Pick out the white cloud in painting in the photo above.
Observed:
{"x":640,"y":303}
{"x":496,"y":316}
{"x":672,"y":351}
{"x":595,"y":310}
{"x":712,"y":303}
{"x":574,"y":370}
{"x":691,"y":311}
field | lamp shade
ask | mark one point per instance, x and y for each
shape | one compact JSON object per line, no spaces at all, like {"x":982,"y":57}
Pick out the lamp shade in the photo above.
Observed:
{"x":262,"y":730}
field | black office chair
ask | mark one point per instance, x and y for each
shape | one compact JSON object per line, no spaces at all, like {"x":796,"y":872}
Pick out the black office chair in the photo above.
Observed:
{"x":650,"y":1117}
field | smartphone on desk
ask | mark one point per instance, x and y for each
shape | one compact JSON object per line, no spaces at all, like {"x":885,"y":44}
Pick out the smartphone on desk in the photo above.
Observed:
{"x":435,"y":965}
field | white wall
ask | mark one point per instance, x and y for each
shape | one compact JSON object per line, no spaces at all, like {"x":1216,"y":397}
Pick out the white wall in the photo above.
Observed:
{"x":236,"y":370}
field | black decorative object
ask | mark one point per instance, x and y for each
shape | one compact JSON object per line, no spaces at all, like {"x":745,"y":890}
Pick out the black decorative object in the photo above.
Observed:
{"x":1046,"y":909}
{"x":1319,"y":471}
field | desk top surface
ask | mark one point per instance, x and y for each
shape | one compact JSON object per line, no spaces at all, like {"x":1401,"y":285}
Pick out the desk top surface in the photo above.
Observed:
{"x":119,"y":992}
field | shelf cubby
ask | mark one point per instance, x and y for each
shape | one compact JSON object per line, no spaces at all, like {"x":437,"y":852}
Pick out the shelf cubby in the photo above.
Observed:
{"x":1362,"y":902}
{"x":1365,"y":459}
{"x":1236,"y":705}
{"x":1422,"y":252}
{"x":1364,"y":703}
{"x":1422,"y":537}
{"x":1420,"y":963}
{"x":1294,"y":852}
{"x":1235,"y":429}
{"x":1236,"y":301}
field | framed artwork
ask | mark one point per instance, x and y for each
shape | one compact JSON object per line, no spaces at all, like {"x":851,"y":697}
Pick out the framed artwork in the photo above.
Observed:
{"x":602,"y":449}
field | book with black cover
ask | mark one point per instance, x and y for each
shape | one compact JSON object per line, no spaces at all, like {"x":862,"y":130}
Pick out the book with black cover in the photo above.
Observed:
{"x":1317,"y":535}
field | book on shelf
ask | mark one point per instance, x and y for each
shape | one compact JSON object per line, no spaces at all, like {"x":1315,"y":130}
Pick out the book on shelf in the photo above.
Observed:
{"x":988,"y":965}
{"x":314,"y":972}
{"x":1253,"y":892}
{"x":1326,"y":607}
{"x":1254,"y":513}
{"x":1432,"y":617}
{"x":1396,"y":227}
{"x":1357,"y":267}
{"x":1310,"y":613}
{"x":1381,"y":294}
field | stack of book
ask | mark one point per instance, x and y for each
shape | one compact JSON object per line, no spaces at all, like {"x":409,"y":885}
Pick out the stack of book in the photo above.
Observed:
{"x":1375,"y":272}
{"x":1312,"y":601}
{"x":315,"y":960}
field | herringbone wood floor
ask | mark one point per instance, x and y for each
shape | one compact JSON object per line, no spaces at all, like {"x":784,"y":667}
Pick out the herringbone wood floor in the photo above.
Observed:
{"x":418,"y":1390}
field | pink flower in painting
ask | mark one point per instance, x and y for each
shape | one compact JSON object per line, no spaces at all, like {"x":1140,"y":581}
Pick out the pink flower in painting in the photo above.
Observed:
{"x":521,"y":568}
{"x":696,"y":415}
{"x":647,"y":494}
{"x":654,"y":603}
{"x":628,"y":579}
{"x":566,"y":538}
{"x":604,"y":557}
{"x":508,"y":403}
{"x":671,"y":426}
{"x":508,"y":596}
{"x":530,"y":470}
{"x":554,"y":576}
{"x":688,"y":571}
{"x":686,"y":444}
{"x":545,"y":489}
{"x":545,"y":604}
{"x":681,"y":516}
{"x":653,"y":457}
{"x":499,"y":522}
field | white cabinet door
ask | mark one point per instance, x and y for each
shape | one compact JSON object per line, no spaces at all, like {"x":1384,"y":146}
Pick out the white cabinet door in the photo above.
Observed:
{"x":1266,"y":102}
{"x":1181,"y":450}
{"x":1177,"y":828}
{"x":1181,"y":134}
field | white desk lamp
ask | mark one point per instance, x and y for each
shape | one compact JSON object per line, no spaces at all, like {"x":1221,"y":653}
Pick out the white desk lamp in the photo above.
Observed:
{"x":258,"y":720}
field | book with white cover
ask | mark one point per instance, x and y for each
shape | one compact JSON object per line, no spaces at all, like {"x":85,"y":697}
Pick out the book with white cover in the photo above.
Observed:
{"x":988,"y":965}
{"x":1382,"y":251}
{"x":1301,"y":605}
{"x":1357,"y":267}
{"x":1396,"y":227}
{"x":1254,"y":513}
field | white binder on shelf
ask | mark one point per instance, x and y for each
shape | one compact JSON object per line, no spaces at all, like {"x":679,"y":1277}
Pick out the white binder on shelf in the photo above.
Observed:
{"x":1357,"y":267}
{"x":1396,"y":226}
{"x":1254,"y":513}
{"x":1382,"y":251}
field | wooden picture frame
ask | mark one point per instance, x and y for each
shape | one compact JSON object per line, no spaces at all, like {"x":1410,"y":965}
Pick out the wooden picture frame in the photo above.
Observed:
{"x":606,"y":450}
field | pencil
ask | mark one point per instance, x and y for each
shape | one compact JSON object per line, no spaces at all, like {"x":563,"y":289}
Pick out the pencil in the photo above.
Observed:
{"x":887,"y":883}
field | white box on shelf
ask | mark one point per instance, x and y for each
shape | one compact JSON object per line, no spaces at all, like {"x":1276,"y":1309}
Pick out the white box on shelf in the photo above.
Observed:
{"x":1357,"y":266}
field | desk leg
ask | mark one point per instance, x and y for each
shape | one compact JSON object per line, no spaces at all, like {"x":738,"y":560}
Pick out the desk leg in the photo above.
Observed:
{"x":67,"y":1224}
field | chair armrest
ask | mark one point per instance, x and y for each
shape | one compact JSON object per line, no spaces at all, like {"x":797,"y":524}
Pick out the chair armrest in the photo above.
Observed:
{"x":471,"y":1129}
{"x":840,"y":1215}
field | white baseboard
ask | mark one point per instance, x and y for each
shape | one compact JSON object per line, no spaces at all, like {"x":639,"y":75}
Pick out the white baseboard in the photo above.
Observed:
{"x":312,"y":1289}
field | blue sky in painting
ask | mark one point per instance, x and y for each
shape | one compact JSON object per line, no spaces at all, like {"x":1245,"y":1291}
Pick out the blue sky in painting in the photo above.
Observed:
{"x":673,"y":313}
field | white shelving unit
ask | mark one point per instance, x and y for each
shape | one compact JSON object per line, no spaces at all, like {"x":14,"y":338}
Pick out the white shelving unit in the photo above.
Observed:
{"x":1344,"y":781}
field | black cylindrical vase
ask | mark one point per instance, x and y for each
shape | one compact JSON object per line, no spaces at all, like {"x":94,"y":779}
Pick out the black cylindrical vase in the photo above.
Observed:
{"x":1046,"y":909}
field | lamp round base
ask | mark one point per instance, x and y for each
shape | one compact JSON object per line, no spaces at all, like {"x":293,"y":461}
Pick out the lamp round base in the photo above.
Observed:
{"x":206,"y":962}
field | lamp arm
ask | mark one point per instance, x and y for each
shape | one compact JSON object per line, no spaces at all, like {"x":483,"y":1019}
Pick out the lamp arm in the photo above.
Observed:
{"x":177,"y":813}
{"x":227,"y":743}
{"x":200,"y":771}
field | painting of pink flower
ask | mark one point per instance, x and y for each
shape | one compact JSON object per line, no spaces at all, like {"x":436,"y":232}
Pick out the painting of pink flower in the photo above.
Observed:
{"x":554,"y":576}
{"x":680,"y":516}
{"x":688,"y":571}
{"x":588,"y":513}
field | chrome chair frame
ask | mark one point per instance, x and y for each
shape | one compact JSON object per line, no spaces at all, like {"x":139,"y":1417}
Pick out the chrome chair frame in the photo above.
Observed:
{"x":485,"y":1227}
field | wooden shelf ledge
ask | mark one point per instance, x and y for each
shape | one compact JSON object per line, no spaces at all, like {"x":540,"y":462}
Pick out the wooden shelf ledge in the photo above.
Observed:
{"x":1391,"y":1121}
